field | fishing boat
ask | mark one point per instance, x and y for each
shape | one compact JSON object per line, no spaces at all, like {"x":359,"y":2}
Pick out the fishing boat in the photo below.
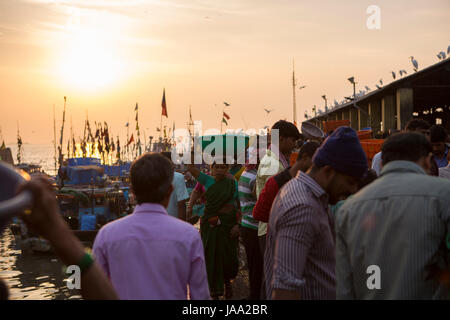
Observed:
{"x":87,"y":199}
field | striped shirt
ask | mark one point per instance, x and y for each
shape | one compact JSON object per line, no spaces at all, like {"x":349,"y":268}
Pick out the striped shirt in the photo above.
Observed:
{"x":300,"y":252}
{"x":399,"y":223}
{"x":247,"y":199}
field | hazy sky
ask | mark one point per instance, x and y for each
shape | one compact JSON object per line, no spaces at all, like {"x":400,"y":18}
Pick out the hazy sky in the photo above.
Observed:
{"x":106,"y":55}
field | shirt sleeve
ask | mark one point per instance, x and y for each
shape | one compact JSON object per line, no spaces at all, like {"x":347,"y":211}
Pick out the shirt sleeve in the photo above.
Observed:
{"x":263,"y":205}
{"x":295,"y":235}
{"x":344,"y":278}
{"x":99,"y":254}
{"x":181,"y":190}
{"x":198,"y":279}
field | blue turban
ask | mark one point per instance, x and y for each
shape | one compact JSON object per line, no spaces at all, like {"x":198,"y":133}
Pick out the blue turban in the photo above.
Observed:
{"x":343,"y":152}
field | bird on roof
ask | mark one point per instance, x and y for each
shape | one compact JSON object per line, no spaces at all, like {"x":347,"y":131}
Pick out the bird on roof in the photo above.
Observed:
{"x":381,"y":81}
{"x":336,"y":103}
{"x":415,"y":64}
{"x":441,"y":55}
{"x":268,"y":111}
{"x":226,"y":104}
{"x":402,"y":72}
{"x":448,"y":50}
{"x":367,"y":88}
{"x":378,"y":87}
{"x":393,"y":74}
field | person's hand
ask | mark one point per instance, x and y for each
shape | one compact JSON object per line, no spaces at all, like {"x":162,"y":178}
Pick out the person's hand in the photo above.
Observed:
{"x":189,"y":211}
{"x":44,"y":217}
{"x":235,"y":231}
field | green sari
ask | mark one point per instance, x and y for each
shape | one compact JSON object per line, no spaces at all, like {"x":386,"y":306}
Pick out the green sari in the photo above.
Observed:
{"x":220,"y":250}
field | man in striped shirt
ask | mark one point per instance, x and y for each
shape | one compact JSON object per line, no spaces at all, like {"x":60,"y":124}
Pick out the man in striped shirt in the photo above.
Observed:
{"x":299,"y":262}
{"x":249,"y":229}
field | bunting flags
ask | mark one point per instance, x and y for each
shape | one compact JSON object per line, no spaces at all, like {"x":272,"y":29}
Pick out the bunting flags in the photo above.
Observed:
{"x":136,"y":108}
{"x":226,"y":116}
{"x":3,"y":146}
{"x":224,"y":121}
{"x":163,"y":104}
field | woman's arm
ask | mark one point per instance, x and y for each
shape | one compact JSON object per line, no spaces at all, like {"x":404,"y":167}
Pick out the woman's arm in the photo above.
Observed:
{"x":193,"y":170}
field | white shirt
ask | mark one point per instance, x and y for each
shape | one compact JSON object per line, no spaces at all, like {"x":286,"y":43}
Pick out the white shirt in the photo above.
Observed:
{"x":376,"y":163}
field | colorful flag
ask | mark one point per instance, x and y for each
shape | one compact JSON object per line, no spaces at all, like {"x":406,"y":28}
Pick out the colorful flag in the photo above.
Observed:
{"x":163,"y":104}
{"x":131,"y":140}
{"x":3,"y":146}
{"x":226,"y":116}
{"x":224,"y":121}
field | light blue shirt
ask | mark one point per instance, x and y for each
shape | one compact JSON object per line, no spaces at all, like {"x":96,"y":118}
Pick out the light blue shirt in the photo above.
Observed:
{"x":179,"y":193}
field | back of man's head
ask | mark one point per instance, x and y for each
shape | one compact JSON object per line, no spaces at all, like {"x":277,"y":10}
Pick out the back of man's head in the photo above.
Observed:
{"x":286,"y":129}
{"x":417,"y":124}
{"x":308,"y":149}
{"x":151,"y":178}
{"x":408,"y":146}
{"x":438,"y":134}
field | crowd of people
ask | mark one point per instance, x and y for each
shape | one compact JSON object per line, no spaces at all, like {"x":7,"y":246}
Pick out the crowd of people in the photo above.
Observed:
{"x":325,"y":227}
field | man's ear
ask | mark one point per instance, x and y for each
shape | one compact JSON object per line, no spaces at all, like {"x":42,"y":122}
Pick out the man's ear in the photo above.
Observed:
{"x":425,"y":162}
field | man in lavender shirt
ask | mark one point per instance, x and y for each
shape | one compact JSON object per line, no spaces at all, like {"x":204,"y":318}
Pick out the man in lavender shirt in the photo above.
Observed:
{"x":149,"y":254}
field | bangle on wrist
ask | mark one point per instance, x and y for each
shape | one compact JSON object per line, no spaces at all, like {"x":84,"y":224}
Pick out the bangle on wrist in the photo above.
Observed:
{"x":86,"y":262}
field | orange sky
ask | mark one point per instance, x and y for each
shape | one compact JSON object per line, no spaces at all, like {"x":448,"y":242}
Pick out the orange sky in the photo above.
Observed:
{"x":107,"y":55}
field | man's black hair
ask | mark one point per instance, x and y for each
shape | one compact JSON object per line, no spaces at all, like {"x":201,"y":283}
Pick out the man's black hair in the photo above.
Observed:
{"x":438,"y":134}
{"x":151,"y":176}
{"x":415,"y":124}
{"x":309,"y":148}
{"x":287,"y":129}
{"x":409,"y":146}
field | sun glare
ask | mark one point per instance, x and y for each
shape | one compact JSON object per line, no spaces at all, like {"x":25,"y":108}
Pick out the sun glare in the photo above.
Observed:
{"x":89,"y":62}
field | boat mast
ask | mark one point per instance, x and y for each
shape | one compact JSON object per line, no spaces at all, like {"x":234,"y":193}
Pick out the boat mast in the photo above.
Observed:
{"x":293,"y":93}
{"x":54,"y":137}
{"x":62,"y":133}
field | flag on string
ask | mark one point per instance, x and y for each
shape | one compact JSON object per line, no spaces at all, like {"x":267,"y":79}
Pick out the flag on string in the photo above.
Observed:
{"x":226,"y":116}
{"x":126,"y":124}
{"x":136,"y":108}
{"x":163,"y":104}
{"x":224,"y":121}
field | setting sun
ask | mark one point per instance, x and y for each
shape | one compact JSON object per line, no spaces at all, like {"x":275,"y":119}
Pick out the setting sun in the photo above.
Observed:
{"x":88,"y":62}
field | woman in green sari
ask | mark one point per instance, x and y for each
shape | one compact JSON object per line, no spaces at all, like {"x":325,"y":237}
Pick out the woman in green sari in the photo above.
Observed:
{"x":219,"y":227}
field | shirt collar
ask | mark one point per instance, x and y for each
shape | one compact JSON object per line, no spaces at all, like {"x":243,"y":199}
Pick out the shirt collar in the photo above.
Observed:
{"x":275,"y":152}
{"x":150,"y":208}
{"x":315,"y":188}
{"x":401,"y":166}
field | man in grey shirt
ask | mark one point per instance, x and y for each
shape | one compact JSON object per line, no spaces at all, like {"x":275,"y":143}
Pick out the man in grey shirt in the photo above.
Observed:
{"x":392,"y":237}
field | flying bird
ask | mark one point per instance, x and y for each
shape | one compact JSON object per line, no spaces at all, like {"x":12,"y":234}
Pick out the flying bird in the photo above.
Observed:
{"x":441,"y":55}
{"x":393,"y":74}
{"x":226,"y":104}
{"x":367,"y":88}
{"x":268,"y":111}
{"x":415,"y":64}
